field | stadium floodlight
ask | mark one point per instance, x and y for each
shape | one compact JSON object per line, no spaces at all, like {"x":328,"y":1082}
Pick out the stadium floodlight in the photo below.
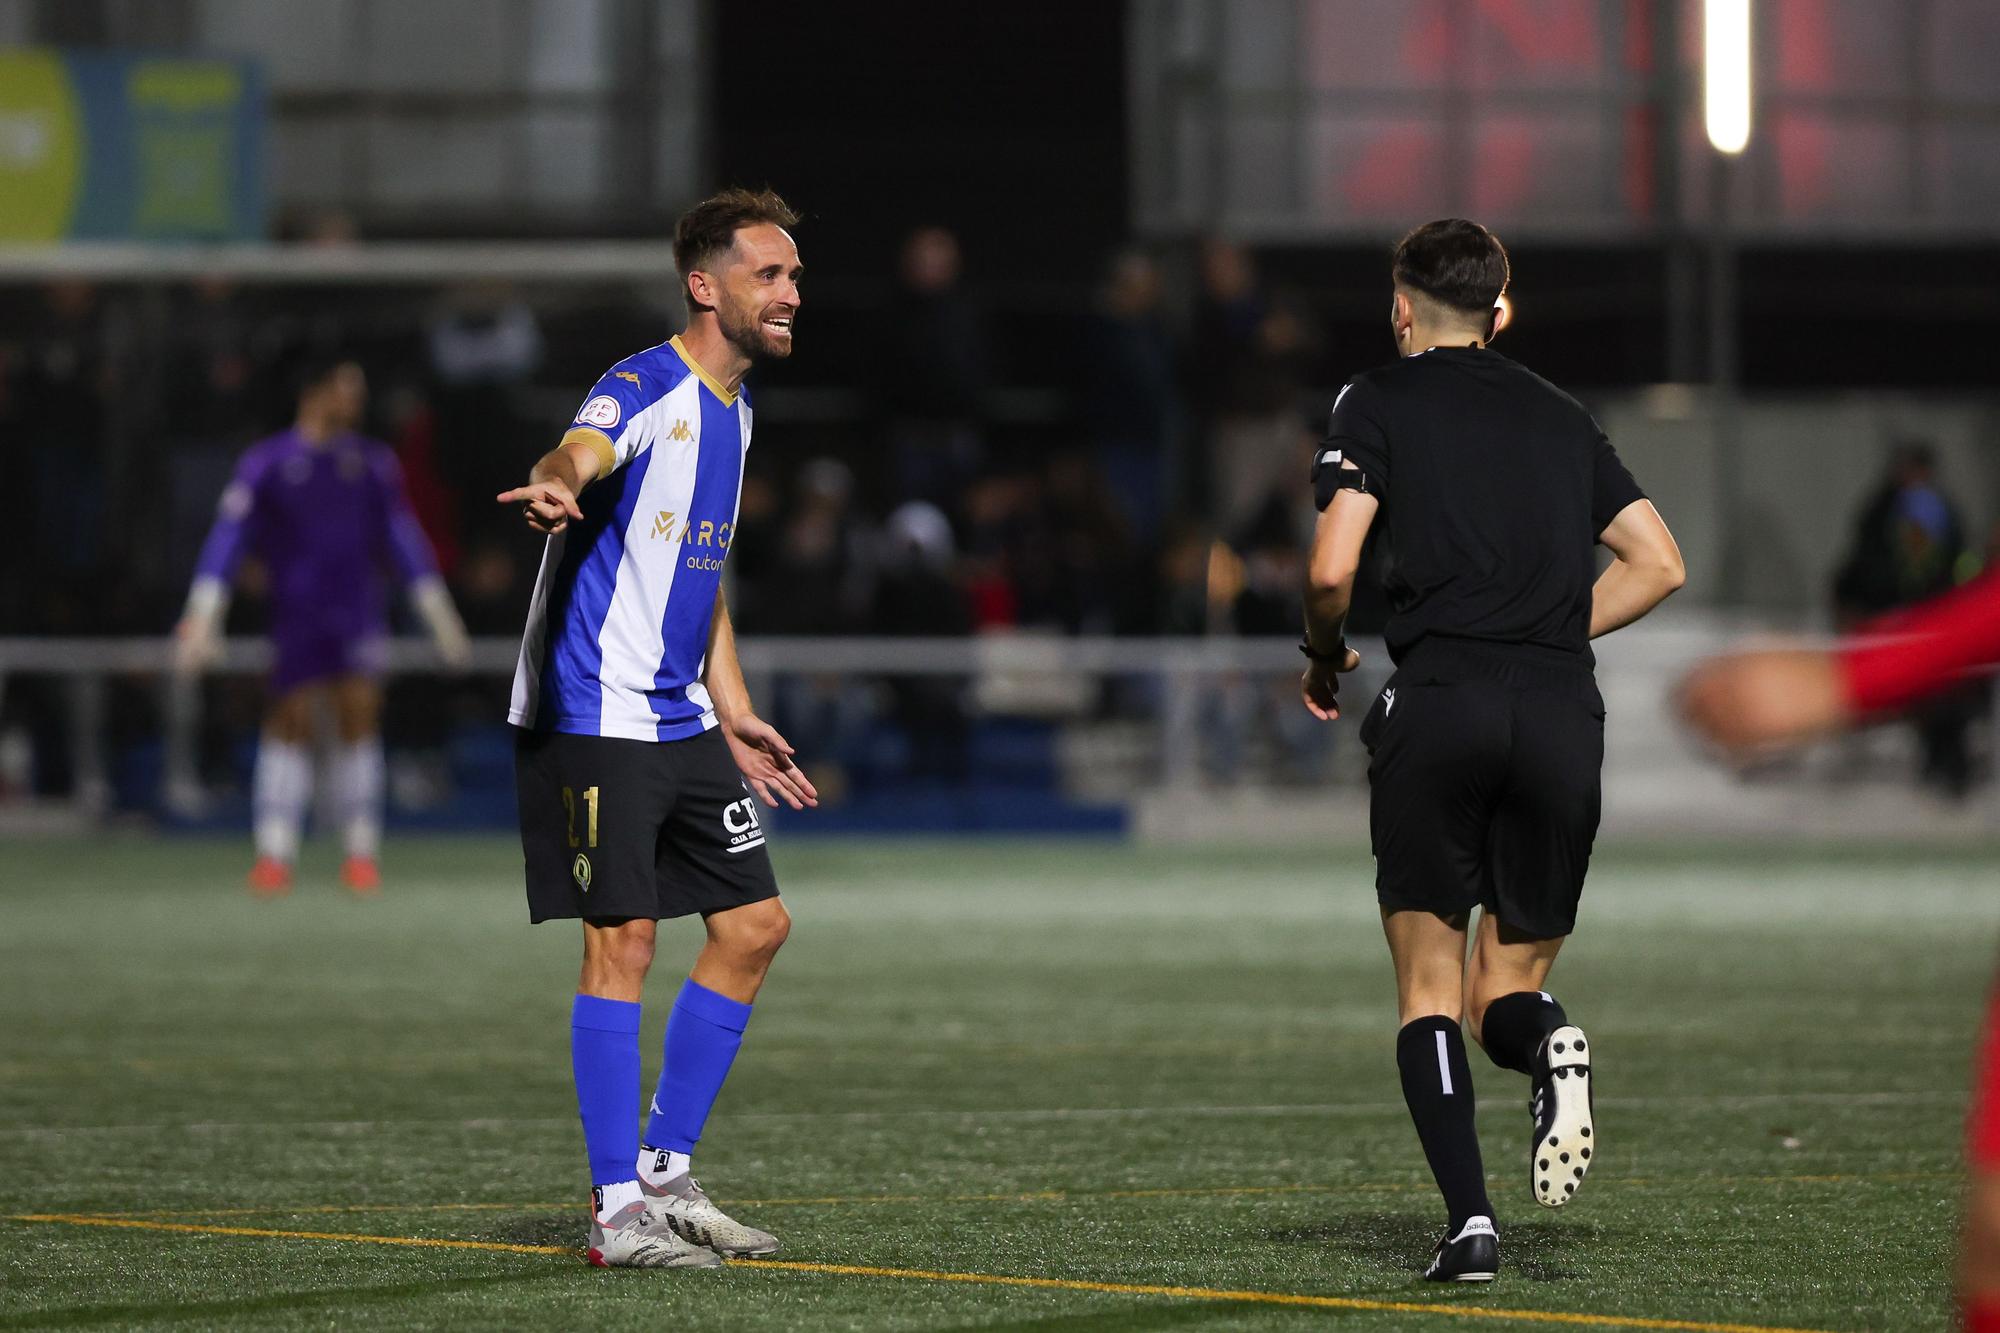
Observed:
{"x":1726,"y":73}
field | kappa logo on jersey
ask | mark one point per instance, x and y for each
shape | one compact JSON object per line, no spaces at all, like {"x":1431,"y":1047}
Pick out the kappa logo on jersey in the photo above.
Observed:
{"x":1388,"y":701}
{"x":628,"y":375}
{"x":580,"y":871}
{"x":602,"y":411}
{"x":740,"y":822}
{"x":680,"y":433}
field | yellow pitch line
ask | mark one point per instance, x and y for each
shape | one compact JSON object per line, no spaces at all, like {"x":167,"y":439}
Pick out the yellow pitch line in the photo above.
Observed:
{"x":1031,"y":1196}
{"x":977,"y":1279}
{"x":1274,"y":1298}
{"x":423,"y":1242}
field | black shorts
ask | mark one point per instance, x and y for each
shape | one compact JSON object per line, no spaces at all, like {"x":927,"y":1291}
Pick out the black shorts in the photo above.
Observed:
{"x":1484,"y":773}
{"x":615,"y":828}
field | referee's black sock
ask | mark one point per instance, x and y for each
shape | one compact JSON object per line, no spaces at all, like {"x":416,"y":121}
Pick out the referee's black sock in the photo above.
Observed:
{"x":1516,"y":1025}
{"x":1437,"y":1084}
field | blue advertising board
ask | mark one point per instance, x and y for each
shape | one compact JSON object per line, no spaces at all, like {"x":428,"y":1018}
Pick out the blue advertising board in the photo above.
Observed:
{"x":122,"y":146}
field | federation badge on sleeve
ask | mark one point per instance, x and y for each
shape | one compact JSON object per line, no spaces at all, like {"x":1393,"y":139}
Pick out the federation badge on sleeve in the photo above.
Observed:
{"x":602,"y":412}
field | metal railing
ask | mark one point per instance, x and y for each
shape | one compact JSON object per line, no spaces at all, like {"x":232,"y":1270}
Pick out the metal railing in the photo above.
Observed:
{"x":1185,"y":672}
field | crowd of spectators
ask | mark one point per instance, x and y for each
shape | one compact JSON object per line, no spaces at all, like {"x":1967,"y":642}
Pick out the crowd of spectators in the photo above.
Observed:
{"x":946,"y":456}
{"x":1077,"y":463}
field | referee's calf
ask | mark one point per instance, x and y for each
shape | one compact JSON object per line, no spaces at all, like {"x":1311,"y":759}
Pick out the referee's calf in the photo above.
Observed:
{"x":1486,"y":745}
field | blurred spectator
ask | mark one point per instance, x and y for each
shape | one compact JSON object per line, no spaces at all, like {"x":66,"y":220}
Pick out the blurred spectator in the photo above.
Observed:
{"x":1251,"y":357}
{"x":935,"y":357}
{"x":1908,"y":545}
{"x":1183,"y":605}
{"x":994,"y":521}
{"x":219,"y":388}
{"x":753,"y":553}
{"x":918,"y":594}
{"x":1272,"y":570}
{"x":58,"y":413}
{"x":823,"y":559}
{"x":1129,"y":400}
{"x":484,"y":343}
{"x":917,"y":591}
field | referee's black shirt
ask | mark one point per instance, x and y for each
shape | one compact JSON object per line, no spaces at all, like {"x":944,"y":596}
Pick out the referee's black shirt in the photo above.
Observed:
{"x":1494,"y":485}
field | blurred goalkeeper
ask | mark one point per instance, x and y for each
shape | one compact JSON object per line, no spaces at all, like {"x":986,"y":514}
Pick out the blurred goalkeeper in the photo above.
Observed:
{"x":1754,"y":702}
{"x":323,"y":509}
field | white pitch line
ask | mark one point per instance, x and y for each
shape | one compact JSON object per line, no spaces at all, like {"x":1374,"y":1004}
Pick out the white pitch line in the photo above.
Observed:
{"x":1031,"y":1115}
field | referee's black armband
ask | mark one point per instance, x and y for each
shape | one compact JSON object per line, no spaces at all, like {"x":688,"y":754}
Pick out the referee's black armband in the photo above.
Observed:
{"x":1328,"y":477}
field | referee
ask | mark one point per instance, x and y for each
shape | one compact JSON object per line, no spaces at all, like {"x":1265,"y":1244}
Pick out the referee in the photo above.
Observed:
{"x":1486,"y":745}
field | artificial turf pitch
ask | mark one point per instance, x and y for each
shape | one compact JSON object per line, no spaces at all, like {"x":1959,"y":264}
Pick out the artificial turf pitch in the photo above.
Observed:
{"x":1088,"y":1067}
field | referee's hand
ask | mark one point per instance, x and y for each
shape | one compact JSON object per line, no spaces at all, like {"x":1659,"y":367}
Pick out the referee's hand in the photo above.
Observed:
{"x":547,"y":505}
{"x":1320,"y":686}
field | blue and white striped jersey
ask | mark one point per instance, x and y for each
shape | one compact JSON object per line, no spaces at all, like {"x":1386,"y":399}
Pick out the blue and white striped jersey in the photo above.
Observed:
{"x":617,"y":635}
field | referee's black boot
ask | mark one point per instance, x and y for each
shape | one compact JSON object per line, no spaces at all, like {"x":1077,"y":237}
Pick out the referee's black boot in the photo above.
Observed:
{"x":1472,"y":1254}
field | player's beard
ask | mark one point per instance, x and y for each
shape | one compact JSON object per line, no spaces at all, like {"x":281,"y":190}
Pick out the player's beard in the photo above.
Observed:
{"x":749,"y":336}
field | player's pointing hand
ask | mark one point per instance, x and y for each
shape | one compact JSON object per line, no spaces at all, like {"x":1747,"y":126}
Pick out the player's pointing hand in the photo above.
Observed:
{"x":547,"y":505}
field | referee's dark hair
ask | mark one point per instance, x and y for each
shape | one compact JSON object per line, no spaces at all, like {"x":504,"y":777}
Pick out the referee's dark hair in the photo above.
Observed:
{"x":1456,"y":263}
{"x":707,"y":231}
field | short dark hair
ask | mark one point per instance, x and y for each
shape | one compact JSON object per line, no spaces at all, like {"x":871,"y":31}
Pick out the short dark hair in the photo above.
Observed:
{"x":1454,"y":262}
{"x":314,"y":364}
{"x":708,"y":229}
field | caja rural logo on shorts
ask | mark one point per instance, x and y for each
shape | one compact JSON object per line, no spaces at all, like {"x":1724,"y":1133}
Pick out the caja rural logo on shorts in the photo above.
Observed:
{"x":579,"y":870}
{"x":741,"y":825}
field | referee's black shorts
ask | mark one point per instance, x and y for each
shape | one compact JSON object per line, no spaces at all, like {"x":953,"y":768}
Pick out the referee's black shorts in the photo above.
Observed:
{"x":614,"y":828}
{"x":1485,"y":761}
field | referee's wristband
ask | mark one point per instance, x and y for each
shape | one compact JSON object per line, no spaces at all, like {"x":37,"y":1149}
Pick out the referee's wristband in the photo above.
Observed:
{"x":1336,"y":657}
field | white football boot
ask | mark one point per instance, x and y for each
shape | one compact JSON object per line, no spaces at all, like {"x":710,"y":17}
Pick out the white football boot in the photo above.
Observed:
{"x":682,"y":1205}
{"x":1564,"y":1140}
{"x":636,"y":1237}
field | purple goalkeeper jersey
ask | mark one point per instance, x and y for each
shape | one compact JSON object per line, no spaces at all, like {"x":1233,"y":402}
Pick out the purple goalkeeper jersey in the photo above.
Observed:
{"x":325,"y":519}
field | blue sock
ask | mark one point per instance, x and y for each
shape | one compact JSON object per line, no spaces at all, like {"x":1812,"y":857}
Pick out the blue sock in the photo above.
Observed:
{"x":703,"y":1033}
{"x":604,"y":1055}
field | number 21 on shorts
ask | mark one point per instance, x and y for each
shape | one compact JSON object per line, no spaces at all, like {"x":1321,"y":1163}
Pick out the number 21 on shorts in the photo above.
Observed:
{"x":569,"y":814}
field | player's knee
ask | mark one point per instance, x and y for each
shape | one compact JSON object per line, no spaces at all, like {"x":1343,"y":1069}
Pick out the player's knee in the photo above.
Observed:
{"x":756,"y":938}
{"x":626,"y":951}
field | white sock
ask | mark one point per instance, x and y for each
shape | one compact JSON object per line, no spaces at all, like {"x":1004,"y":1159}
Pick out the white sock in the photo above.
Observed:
{"x":357,"y":786}
{"x":658,"y":1165}
{"x":280,"y":790}
{"x":610,"y":1198}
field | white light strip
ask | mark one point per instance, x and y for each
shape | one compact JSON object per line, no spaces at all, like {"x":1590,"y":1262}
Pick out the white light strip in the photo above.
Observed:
{"x":1726,"y":73}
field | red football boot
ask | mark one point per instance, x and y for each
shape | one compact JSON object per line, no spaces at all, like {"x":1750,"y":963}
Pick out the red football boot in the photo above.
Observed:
{"x":362,"y":875}
{"x":270,"y":878}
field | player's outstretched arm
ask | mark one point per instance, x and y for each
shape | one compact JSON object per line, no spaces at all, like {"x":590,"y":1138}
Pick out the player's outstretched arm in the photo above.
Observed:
{"x":548,"y":501}
{"x":1646,"y":572}
{"x":1331,"y":568}
{"x":1755,"y":700}
{"x":763,"y":756}
{"x":415,"y":560}
{"x":198,"y":635}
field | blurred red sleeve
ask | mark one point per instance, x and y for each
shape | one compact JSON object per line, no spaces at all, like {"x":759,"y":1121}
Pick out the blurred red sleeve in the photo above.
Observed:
{"x":1925,"y":650}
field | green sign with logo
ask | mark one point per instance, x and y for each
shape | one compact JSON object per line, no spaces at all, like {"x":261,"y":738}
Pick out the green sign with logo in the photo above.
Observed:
{"x":129,"y":147}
